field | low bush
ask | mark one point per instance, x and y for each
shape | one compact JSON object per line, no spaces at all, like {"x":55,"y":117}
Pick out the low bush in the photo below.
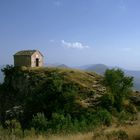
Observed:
{"x":118,"y":135}
{"x":14,"y":128}
{"x":107,"y":101}
{"x":104,"y":117}
{"x":39,"y":122}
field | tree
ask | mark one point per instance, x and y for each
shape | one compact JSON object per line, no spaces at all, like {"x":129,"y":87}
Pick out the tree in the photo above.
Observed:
{"x":118,"y":85}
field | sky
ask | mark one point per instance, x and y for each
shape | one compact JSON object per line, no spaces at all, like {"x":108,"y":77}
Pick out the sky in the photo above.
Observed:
{"x":72,"y":32}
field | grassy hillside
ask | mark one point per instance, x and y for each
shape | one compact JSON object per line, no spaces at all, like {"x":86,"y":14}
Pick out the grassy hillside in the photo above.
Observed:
{"x":83,"y":79}
{"x":51,"y":90}
{"x":88,"y":85}
{"x":52,"y":101}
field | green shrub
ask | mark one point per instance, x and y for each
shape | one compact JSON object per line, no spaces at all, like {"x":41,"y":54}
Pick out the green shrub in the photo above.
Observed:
{"x":118,"y":85}
{"x":104,"y":117}
{"x":123,"y":116}
{"x":57,"y":122}
{"x":107,"y":101}
{"x":132,"y":109}
{"x":30,"y":132}
{"x":14,"y":127}
{"x":122,"y":135}
{"x":39,"y":122}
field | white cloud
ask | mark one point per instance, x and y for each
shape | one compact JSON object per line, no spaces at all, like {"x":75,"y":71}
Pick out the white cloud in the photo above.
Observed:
{"x":74,"y":45}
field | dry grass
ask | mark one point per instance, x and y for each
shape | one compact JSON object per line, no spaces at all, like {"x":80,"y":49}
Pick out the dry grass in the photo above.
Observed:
{"x":74,"y":75}
{"x":87,"y":136}
{"x":133,"y":132}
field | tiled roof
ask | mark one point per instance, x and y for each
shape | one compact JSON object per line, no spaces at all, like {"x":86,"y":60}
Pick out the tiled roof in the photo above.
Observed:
{"x":26,"y":52}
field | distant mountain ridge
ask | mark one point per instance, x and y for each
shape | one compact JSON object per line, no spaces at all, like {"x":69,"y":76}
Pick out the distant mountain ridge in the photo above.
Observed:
{"x":63,"y":66}
{"x":101,"y":68}
{"x":98,"y":68}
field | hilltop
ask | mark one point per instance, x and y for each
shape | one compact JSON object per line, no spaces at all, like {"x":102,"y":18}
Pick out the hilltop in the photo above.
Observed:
{"x":64,"y":100}
{"x":54,"y":94}
{"x":88,"y":85}
{"x":96,"y":68}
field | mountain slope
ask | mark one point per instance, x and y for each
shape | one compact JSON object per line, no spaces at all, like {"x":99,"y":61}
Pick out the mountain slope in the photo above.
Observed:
{"x":62,"y":66}
{"x":101,"y":68}
{"x":98,"y":68}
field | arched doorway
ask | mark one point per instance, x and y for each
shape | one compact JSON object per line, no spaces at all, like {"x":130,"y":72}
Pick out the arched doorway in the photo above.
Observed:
{"x":37,"y":62}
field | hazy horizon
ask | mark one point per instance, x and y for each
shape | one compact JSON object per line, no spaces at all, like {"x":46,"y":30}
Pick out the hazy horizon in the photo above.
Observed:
{"x":72,"y":32}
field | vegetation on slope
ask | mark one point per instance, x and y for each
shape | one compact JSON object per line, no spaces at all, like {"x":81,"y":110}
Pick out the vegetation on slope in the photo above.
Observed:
{"x":54,"y":100}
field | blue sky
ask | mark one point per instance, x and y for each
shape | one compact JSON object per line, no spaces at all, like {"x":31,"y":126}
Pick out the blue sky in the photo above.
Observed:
{"x":73,"y":32}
